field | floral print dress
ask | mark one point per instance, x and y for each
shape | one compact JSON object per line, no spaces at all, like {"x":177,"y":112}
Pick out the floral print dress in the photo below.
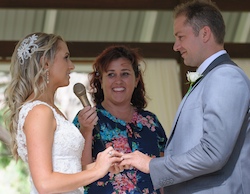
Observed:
{"x":143,"y":133}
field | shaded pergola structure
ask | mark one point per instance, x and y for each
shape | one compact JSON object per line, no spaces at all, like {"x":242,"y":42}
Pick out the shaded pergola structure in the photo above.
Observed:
{"x":90,"y":49}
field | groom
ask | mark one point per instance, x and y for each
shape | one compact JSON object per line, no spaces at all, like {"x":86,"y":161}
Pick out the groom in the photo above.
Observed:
{"x":208,"y":151}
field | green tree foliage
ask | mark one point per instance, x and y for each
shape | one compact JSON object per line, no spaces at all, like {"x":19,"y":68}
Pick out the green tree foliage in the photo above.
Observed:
{"x":13,"y":174}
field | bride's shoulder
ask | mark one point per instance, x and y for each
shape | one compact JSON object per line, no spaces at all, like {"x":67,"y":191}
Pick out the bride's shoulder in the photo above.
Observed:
{"x":35,"y":107}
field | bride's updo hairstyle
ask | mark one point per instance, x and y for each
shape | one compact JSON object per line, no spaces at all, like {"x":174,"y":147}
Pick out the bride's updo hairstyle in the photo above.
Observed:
{"x":28,"y":75}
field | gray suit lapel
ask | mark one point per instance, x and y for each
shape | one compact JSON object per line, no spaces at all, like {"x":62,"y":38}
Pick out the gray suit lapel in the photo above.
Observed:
{"x":223,"y":59}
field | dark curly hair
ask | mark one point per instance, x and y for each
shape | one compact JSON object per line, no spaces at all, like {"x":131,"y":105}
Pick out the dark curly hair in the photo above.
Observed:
{"x":101,"y":64}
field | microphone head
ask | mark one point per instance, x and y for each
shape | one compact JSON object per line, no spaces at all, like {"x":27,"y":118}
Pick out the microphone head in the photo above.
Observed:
{"x":80,"y":92}
{"x":79,"y":89}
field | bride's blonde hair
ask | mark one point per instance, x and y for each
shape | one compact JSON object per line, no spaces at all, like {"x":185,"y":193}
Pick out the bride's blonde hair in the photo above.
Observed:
{"x":28,"y":75}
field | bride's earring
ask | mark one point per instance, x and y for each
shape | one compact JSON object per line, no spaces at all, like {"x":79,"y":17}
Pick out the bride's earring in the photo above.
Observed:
{"x":47,"y":77}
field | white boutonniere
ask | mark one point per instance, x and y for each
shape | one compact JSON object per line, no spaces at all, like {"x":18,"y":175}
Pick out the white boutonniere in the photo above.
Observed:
{"x":192,"y":77}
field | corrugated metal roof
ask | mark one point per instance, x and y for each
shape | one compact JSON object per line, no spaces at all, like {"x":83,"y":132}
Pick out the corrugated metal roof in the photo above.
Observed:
{"x":108,"y":25}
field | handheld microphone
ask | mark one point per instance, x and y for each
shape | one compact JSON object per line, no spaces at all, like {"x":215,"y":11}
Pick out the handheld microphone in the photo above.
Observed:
{"x":80,"y":92}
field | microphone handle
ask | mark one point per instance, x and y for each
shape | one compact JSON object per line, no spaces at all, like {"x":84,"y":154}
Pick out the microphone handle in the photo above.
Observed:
{"x":84,"y":100}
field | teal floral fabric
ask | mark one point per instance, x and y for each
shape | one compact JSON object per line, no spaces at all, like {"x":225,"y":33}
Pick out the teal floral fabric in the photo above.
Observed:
{"x":144,"y":133}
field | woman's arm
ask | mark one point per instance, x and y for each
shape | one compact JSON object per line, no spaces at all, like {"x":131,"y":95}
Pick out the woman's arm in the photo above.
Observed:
{"x":39,"y":128}
{"x":87,"y":119}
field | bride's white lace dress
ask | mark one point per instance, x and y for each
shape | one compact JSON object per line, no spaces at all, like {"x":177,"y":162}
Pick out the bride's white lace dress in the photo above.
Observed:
{"x":67,"y":146}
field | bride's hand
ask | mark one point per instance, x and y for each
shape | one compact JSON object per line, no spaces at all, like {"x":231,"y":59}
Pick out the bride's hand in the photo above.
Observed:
{"x":108,"y":160}
{"x":116,"y":168}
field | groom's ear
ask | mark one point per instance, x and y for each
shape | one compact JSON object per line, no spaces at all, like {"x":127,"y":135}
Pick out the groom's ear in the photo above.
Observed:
{"x":206,"y":33}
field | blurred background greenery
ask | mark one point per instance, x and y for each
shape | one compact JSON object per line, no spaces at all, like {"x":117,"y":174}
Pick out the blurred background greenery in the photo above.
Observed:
{"x":14,"y":177}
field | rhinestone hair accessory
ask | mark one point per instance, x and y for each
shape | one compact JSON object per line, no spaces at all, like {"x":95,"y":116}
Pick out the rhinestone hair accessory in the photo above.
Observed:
{"x":27,"y":48}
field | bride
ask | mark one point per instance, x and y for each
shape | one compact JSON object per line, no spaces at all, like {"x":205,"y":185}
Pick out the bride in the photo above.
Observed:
{"x":41,"y":135}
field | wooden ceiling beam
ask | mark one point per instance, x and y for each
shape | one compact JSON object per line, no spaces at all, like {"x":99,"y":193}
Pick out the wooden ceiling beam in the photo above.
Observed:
{"x":224,"y":5}
{"x":148,"y":50}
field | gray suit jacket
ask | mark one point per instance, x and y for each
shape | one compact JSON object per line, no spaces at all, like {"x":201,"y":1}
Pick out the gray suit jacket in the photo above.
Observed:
{"x":208,"y":151}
